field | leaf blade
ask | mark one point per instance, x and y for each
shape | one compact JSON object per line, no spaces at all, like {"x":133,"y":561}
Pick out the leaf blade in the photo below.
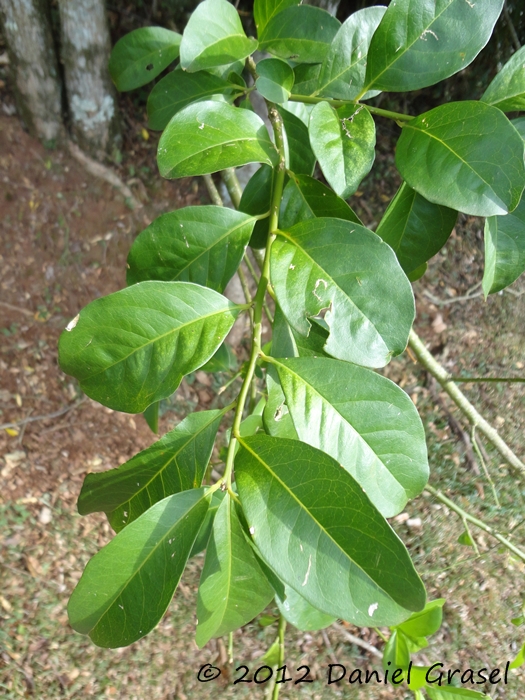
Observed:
{"x":504,"y":249}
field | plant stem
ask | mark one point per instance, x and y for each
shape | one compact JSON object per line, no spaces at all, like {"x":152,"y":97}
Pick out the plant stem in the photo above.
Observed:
{"x":503,"y":380}
{"x":213,"y":191}
{"x":477,"y":449}
{"x":309,"y":100}
{"x":465,"y":516}
{"x":258,"y":301}
{"x":232,"y":185}
{"x":282,"y":630}
{"x":439,"y":372}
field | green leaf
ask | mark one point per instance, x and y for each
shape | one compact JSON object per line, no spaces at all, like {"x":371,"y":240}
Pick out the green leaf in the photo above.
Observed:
{"x":364,"y":421}
{"x":275,"y":79}
{"x":415,"y":228}
{"x":426,"y":622}
{"x":264,"y":10}
{"x":465,"y":539}
{"x":202,"y":244}
{"x":520,"y":658}
{"x":343,"y":70}
{"x":177,"y":462}
{"x":463,"y":155}
{"x":133,"y":347}
{"x":519,"y":125}
{"x":179,"y":89}
{"x":203,"y":537}
{"x":343,"y":141}
{"x":507,"y":90}
{"x":420,"y":43}
{"x":306,"y":78}
{"x":301,"y":33}
{"x":396,"y":652}
{"x":232,"y":589}
{"x":449,"y":692}
{"x":127,"y":586}
{"x":307,"y":198}
{"x":255,"y":200}
{"x":299,"y":613}
{"x":288,"y":343}
{"x":206,"y":137}
{"x":300,"y":158}
{"x":504,"y":249}
{"x":213,"y":37}
{"x":343,"y":270}
{"x":276,"y":417}
{"x":321,"y":535}
{"x":141,"y":55}
{"x":418,"y":680}
{"x":151,"y":416}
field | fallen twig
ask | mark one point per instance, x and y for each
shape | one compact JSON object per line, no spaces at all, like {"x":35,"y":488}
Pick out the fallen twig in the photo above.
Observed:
{"x":17,"y":308}
{"x":32,"y":419}
{"x":358,"y":641}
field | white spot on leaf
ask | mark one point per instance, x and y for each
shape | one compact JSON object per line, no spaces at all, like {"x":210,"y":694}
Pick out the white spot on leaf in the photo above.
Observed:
{"x":372,"y":608}
{"x":72,"y":323}
{"x":307,"y":571}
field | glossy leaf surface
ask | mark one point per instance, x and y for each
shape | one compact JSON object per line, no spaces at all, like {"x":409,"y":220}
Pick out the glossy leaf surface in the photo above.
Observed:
{"x":300,"y":158}
{"x":343,"y":70}
{"x":201,"y":542}
{"x":232,"y":589}
{"x":288,"y":343}
{"x":255,"y":200}
{"x":202,"y":244}
{"x":264,"y":10}
{"x":177,"y":462}
{"x":396,"y":654}
{"x":299,"y":613}
{"x":364,"y":421}
{"x":206,"y":137}
{"x":141,"y":55}
{"x":415,"y":228}
{"x":420,"y":42}
{"x":214,"y":37}
{"x":301,"y":33}
{"x":307,"y":198}
{"x":133,"y":347}
{"x":127,"y":586}
{"x":504,"y":249}
{"x":451,"y":156}
{"x":348,"y":273}
{"x":275,"y":79}
{"x":179,"y":89}
{"x":343,"y":141}
{"x":507,"y":90}
{"x":322,"y":536}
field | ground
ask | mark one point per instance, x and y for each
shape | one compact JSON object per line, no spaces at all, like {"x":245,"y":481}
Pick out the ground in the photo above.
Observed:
{"x":65,"y":238}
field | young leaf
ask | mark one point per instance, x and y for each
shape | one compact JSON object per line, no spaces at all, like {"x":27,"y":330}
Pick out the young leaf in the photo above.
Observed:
{"x":463,"y":155}
{"x":301,"y":33}
{"x":179,"y":89}
{"x":141,"y":55}
{"x":255,"y":200}
{"x":343,"y":70}
{"x":321,"y":535}
{"x":275,"y":79}
{"x":307,"y":198}
{"x":300,"y":158}
{"x":264,"y":10}
{"x":343,"y":270}
{"x":417,"y":45}
{"x":426,"y":622}
{"x":507,"y":90}
{"x":396,"y":654}
{"x":504,"y":249}
{"x":299,"y":613}
{"x":133,"y":347}
{"x":213,"y":37}
{"x":520,"y":658}
{"x":343,"y":141}
{"x":209,"y":136}
{"x":151,"y":416}
{"x":232,"y":589}
{"x":202,"y":244}
{"x":127,"y":586}
{"x":415,"y":228}
{"x":177,"y":462}
{"x":364,"y":421}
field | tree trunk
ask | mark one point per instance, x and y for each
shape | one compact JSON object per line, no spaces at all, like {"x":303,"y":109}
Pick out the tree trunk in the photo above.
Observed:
{"x":34,"y":67}
{"x":85,"y":55}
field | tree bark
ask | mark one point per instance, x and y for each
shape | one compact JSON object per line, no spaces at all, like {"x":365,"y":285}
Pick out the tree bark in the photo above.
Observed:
{"x":85,"y":54}
{"x":34,"y":67}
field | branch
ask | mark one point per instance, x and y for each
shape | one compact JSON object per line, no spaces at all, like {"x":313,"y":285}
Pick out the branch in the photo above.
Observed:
{"x":465,"y":516}
{"x":56,"y":414}
{"x":358,"y":641}
{"x":439,"y":372}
